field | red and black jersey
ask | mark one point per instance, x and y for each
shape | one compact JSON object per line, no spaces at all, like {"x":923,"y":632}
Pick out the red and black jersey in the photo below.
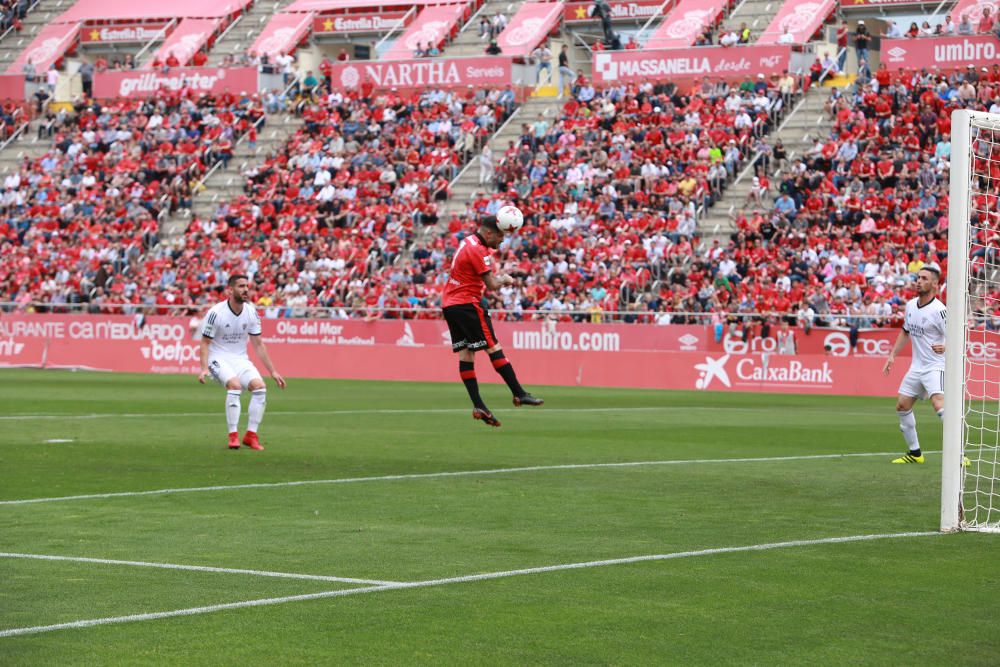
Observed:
{"x":465,"y":283}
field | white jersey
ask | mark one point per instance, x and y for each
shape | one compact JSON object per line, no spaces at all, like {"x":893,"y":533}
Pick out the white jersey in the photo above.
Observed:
{"x":926,"y":325}
{"x":229,"y":332}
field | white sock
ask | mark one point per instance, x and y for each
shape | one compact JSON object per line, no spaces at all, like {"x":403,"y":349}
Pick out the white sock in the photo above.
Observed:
{"x":908,"y":425}
{"x":233,"y":409}
{"x":258,"y":401}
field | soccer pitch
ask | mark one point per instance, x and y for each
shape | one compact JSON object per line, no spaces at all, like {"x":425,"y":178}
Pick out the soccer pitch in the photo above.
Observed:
{"x":383,"y":525}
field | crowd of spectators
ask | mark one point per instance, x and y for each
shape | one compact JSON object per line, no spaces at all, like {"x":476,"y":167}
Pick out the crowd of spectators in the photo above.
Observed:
{"x":96,"y":195}
{"x":612,"y":189}
{"x":985,"y":24}
{"x":325,"y":221}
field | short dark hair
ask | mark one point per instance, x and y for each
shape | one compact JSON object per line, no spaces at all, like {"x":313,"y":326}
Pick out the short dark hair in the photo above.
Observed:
{"x":233,"y":279}
{"x":489,"y":222}
{"x":933,"y":269}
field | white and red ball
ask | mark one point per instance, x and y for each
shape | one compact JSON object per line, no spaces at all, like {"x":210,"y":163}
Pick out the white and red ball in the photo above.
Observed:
{"x":509,"y":219}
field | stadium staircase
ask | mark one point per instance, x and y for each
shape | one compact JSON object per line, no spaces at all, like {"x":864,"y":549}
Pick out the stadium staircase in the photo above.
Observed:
{"x":757,"y":14}
{"x":226,"y":184}
{"x":26,"y":146}
{"x":468,"y":41}
{"x":38,"y":16}
{"x":797,"y":132}
{"x":242,"y":35}
{"x":466,"y":185}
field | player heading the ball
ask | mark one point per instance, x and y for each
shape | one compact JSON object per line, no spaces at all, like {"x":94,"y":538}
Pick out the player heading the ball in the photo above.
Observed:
{"x":224,"y":336}
{"x":469,"y":320}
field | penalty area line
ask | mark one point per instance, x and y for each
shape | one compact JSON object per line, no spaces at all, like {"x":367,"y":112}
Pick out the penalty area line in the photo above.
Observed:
{"x":192,"y":611}
{"x":408,"y":411}
{"x":438,"y":475}
{"x":196,"y":568}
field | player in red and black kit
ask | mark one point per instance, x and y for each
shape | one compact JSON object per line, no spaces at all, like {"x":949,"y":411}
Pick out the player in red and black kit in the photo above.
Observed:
{"x":469,"y":321}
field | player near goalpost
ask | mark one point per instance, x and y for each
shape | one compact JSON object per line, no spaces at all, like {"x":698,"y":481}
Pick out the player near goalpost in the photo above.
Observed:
{"x":468,"y":320}
{"x":224,"y":336}
{"x":924,"y":326}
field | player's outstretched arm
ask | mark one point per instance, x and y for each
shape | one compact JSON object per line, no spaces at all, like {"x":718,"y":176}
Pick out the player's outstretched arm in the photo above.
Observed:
{"x":205,"y":340}
{"x":901,"y":340}
{"x":495,"y":282}
{"x":261,"y":350}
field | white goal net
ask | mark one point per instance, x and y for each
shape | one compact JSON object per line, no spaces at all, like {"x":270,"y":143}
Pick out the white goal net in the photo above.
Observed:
{"x":970,"y":495}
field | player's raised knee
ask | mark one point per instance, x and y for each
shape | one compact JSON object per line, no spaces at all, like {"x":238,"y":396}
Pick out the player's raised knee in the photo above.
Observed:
{"x":256,"y":385}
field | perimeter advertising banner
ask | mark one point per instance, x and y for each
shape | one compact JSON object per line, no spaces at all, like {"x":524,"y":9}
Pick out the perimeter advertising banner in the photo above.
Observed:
{"x":437,"y":72}
{"x":341,"y":24}
{"x":944,"y":53}
{"x":853,"y":4}
{"x":621,"y":10}
{"x":123,"y":32}
{"x":609,"y":355}
{"x":146,"y":83}
{"x":687,"y":65}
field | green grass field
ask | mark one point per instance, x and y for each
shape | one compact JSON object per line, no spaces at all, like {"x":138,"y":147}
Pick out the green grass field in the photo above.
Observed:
{"x":716,"y":472}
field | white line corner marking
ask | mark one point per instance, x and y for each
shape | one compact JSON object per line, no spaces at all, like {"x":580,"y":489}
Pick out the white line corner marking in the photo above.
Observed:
{"x":192,"y":611}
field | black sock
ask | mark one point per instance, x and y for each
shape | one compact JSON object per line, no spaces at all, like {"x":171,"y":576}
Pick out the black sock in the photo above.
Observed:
{"x":914,"y":452}
{"x":506,"y":371}
{"x":467,"y":370}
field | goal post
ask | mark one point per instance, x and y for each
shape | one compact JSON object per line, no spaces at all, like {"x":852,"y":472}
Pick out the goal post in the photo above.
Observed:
{"x":970,"y":495}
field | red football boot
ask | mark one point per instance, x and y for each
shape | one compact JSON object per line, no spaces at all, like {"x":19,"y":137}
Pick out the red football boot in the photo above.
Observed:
{"x":485,"y":416}
{"x":234,"y":441}
{"x":251,"y":441}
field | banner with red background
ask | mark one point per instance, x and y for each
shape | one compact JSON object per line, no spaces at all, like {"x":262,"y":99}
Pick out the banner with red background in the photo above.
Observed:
{"x":123,"y":32}
{"x":599,"y":355}
{"x":146,"y":83}
{"x":12,"y":87}
{"x":686,"y":65}
{"x":478,"y":72}
{"x":621,"y":10}
{"x":362,"y":23}
{"x":943,"y":53}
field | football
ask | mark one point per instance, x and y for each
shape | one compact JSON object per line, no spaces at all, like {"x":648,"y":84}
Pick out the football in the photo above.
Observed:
{"x":509,"y":219}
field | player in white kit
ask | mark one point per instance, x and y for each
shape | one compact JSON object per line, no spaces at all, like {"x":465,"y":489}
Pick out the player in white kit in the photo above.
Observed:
{"x":224,"y":336}
{"x":924,"y":325}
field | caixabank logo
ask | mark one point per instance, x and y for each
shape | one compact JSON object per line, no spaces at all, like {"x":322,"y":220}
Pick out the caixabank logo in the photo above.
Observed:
{"x":764,"y":370}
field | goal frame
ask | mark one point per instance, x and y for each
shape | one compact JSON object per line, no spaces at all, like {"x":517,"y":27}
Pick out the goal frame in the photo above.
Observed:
{"x":956,"y":339}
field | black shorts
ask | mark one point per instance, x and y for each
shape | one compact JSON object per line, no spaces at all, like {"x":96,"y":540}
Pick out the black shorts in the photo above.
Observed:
{"x":470,"y":327}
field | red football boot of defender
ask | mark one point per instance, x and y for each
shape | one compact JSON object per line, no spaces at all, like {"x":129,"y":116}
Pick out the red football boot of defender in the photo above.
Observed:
{"x":251,"y":441}
{"x":234,"y":441}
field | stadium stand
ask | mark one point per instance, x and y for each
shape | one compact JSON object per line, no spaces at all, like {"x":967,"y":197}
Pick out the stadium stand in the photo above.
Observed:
{"x":345,"y":214}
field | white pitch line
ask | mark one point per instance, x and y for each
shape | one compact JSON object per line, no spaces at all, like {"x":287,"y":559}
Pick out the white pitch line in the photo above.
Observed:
{"x":197,"y":568}
{"x":408,"y":411}
{"x":436,"y":475}
{"x":192,"y":611}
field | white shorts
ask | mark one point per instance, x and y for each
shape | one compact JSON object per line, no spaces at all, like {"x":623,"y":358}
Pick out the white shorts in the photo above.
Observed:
{"x":225,"y":368}
{"x":922,"y":384}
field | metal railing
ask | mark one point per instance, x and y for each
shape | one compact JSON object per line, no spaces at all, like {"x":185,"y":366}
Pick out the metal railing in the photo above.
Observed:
{"x":218,"y":164}
{"x":284,"y":311}
{"x":645,"y":26}
{"x":157,"y":37}
{"x":398,"y":26}
{"x":19,"y":130}
{"x":26,"y":12}
{"x":229,"y":28}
